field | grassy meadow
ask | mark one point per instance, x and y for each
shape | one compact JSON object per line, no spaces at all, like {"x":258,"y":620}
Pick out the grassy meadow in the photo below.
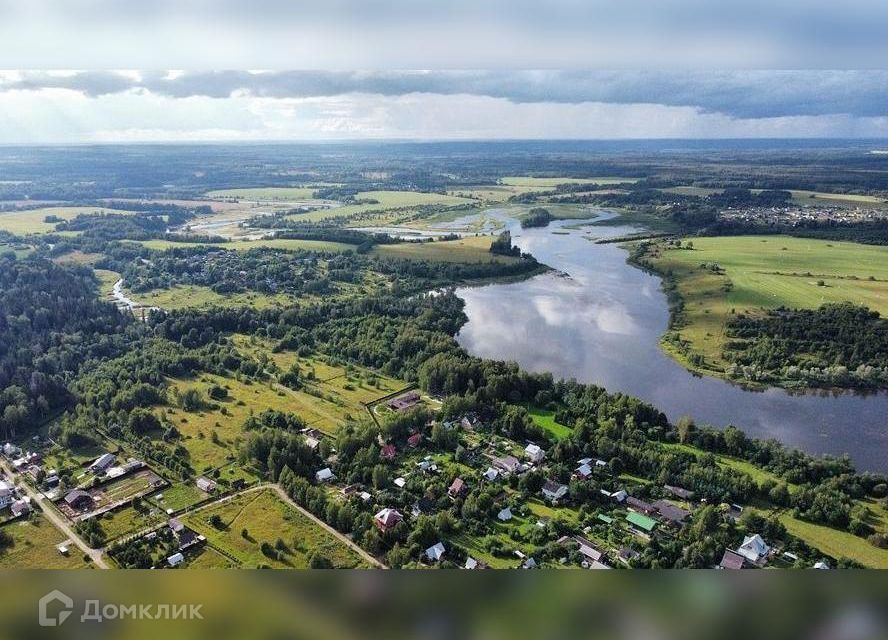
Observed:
{"x":264,"y":517}
{"x":32,"y":221}
{"x":385,"y":201}
{"x":469,"y":249}
{"x":766,"y":272}
{"x":34,"y":546}
{"x":266,"y":193}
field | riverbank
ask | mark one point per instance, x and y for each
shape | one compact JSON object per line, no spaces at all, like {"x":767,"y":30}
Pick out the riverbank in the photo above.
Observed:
{"x":711,"y":282}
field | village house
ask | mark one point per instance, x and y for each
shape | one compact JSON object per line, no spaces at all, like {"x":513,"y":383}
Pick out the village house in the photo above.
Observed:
{"x":469,"y":421}
{"x":616,"y":496}
{"x":457,"y":488}
{"x":324,"y":475}
{"x":626,"y":555}
{"x":387,"y":519}
{"x":404,"y":402}
{"x":435,"y":553}
{"x":399,"y":482}
{"x":507,"y":464}
{"x":176,"y":559}
{"x":640,"y":523}
{"x":582,"y":472}
{"x":205,"y":484}
{"x":504,"y":515}
{"x":491,"y":474}
{"x":530,"y":563}
{"x":7,"y":494}
{"x":472,"y":563}
{"x":11,"y":451}
{"x":670,"y":512}
{"x":102,"y":463}
{"x":640,"y":505}
{"x":388,"y":452}
{"x":78,"y":499}
{"x":311,"y":442}
{"x":754,"y":549}
{"x":415,"y":440}
{"x":20,"y":508}
{"x":587,"y":549}
{"x":554,"y":491}
{"x":534,"y":453}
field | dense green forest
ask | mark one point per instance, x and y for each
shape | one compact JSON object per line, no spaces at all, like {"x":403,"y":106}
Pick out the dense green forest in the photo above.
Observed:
{"x":835,"y":345}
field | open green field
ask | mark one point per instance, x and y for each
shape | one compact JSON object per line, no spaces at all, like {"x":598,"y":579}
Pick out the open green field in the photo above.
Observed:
{"x":178,"y":496}
{"x":469,"y":249}
{"x":266,"y":193}
{"x":385,"y":201}
{"x":25,"y":222}
{"x":838,"y":544}
{"x":246,"y":245}
{"x":267,"y":518}
{"x":332,"y":392}
{"x":546,"y":420}
{"x":527,"y":181}
{"x":766,"y":272}
{"x":35,"y":540}
{"x":126,"y":521}
{"x":208,"y":558}
{"x":20,"y":250}
{"x":194,"y":296}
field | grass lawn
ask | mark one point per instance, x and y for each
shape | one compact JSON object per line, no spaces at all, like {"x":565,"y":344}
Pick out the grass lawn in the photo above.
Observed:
{"x":208,"y":558}
{"x":178,"y":496}
{"x":266,"y":193}
{"x":469,"y":249}
{"x":267,"y":518}
{"x":71,"y":460}
{"x":107,"y":280}
{"x":838,"y":544}
{"x":546,"y":420}
{"x":25,"y":222}
{"x":767,"y":272}
{"x":246,"y":245}
{"x":125,"y":521}
{"x":34,"y":547}
{"x":78,"y":257}
{"x":385,"y":201}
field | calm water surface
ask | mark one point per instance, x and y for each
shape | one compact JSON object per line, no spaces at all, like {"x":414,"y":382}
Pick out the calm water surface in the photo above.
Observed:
{"x":602,"y":325}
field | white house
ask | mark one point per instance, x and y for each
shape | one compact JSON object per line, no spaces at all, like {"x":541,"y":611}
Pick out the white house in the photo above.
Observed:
{"x":6,"y":494}
{"x":400,"y":482}
{"x":436,"y":552}
{"x":176,"y":559}
{"x":324,"y":475}
{"x":505,"y":515}
{"x":583,"y":471}
{"x":534,"y":453}
{"x":205,"y":484}
{"x":491,"y":474}
{"x":754,"y":549}
{"x":821,"y":564}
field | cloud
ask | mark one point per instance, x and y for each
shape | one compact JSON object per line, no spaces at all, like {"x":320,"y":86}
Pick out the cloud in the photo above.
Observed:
{"x":743,"y":94}
{"x":66,"y":115}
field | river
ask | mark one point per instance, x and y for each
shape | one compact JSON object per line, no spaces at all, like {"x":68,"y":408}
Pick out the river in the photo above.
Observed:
{"x":602,"y":325}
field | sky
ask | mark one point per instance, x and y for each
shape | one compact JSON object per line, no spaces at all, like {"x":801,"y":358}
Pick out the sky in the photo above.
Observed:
{"x":147,"y":106}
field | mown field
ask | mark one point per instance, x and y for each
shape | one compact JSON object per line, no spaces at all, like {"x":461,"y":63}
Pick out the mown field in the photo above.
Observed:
{"x":546,"y":420}
{"x":264,"y":517}
{"x":246,"y":245}
{"x":26,"y":222}
{"x":766,"y":272}
{"x":838,"y":544}
{"x":34,"y":547}
{"x":385,"y":201}
{"x":469,"y":249}
{"x":266,"y":193}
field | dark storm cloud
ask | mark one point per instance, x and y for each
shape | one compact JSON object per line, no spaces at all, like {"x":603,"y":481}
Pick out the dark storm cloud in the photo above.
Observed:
{"x":747,"y":94}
